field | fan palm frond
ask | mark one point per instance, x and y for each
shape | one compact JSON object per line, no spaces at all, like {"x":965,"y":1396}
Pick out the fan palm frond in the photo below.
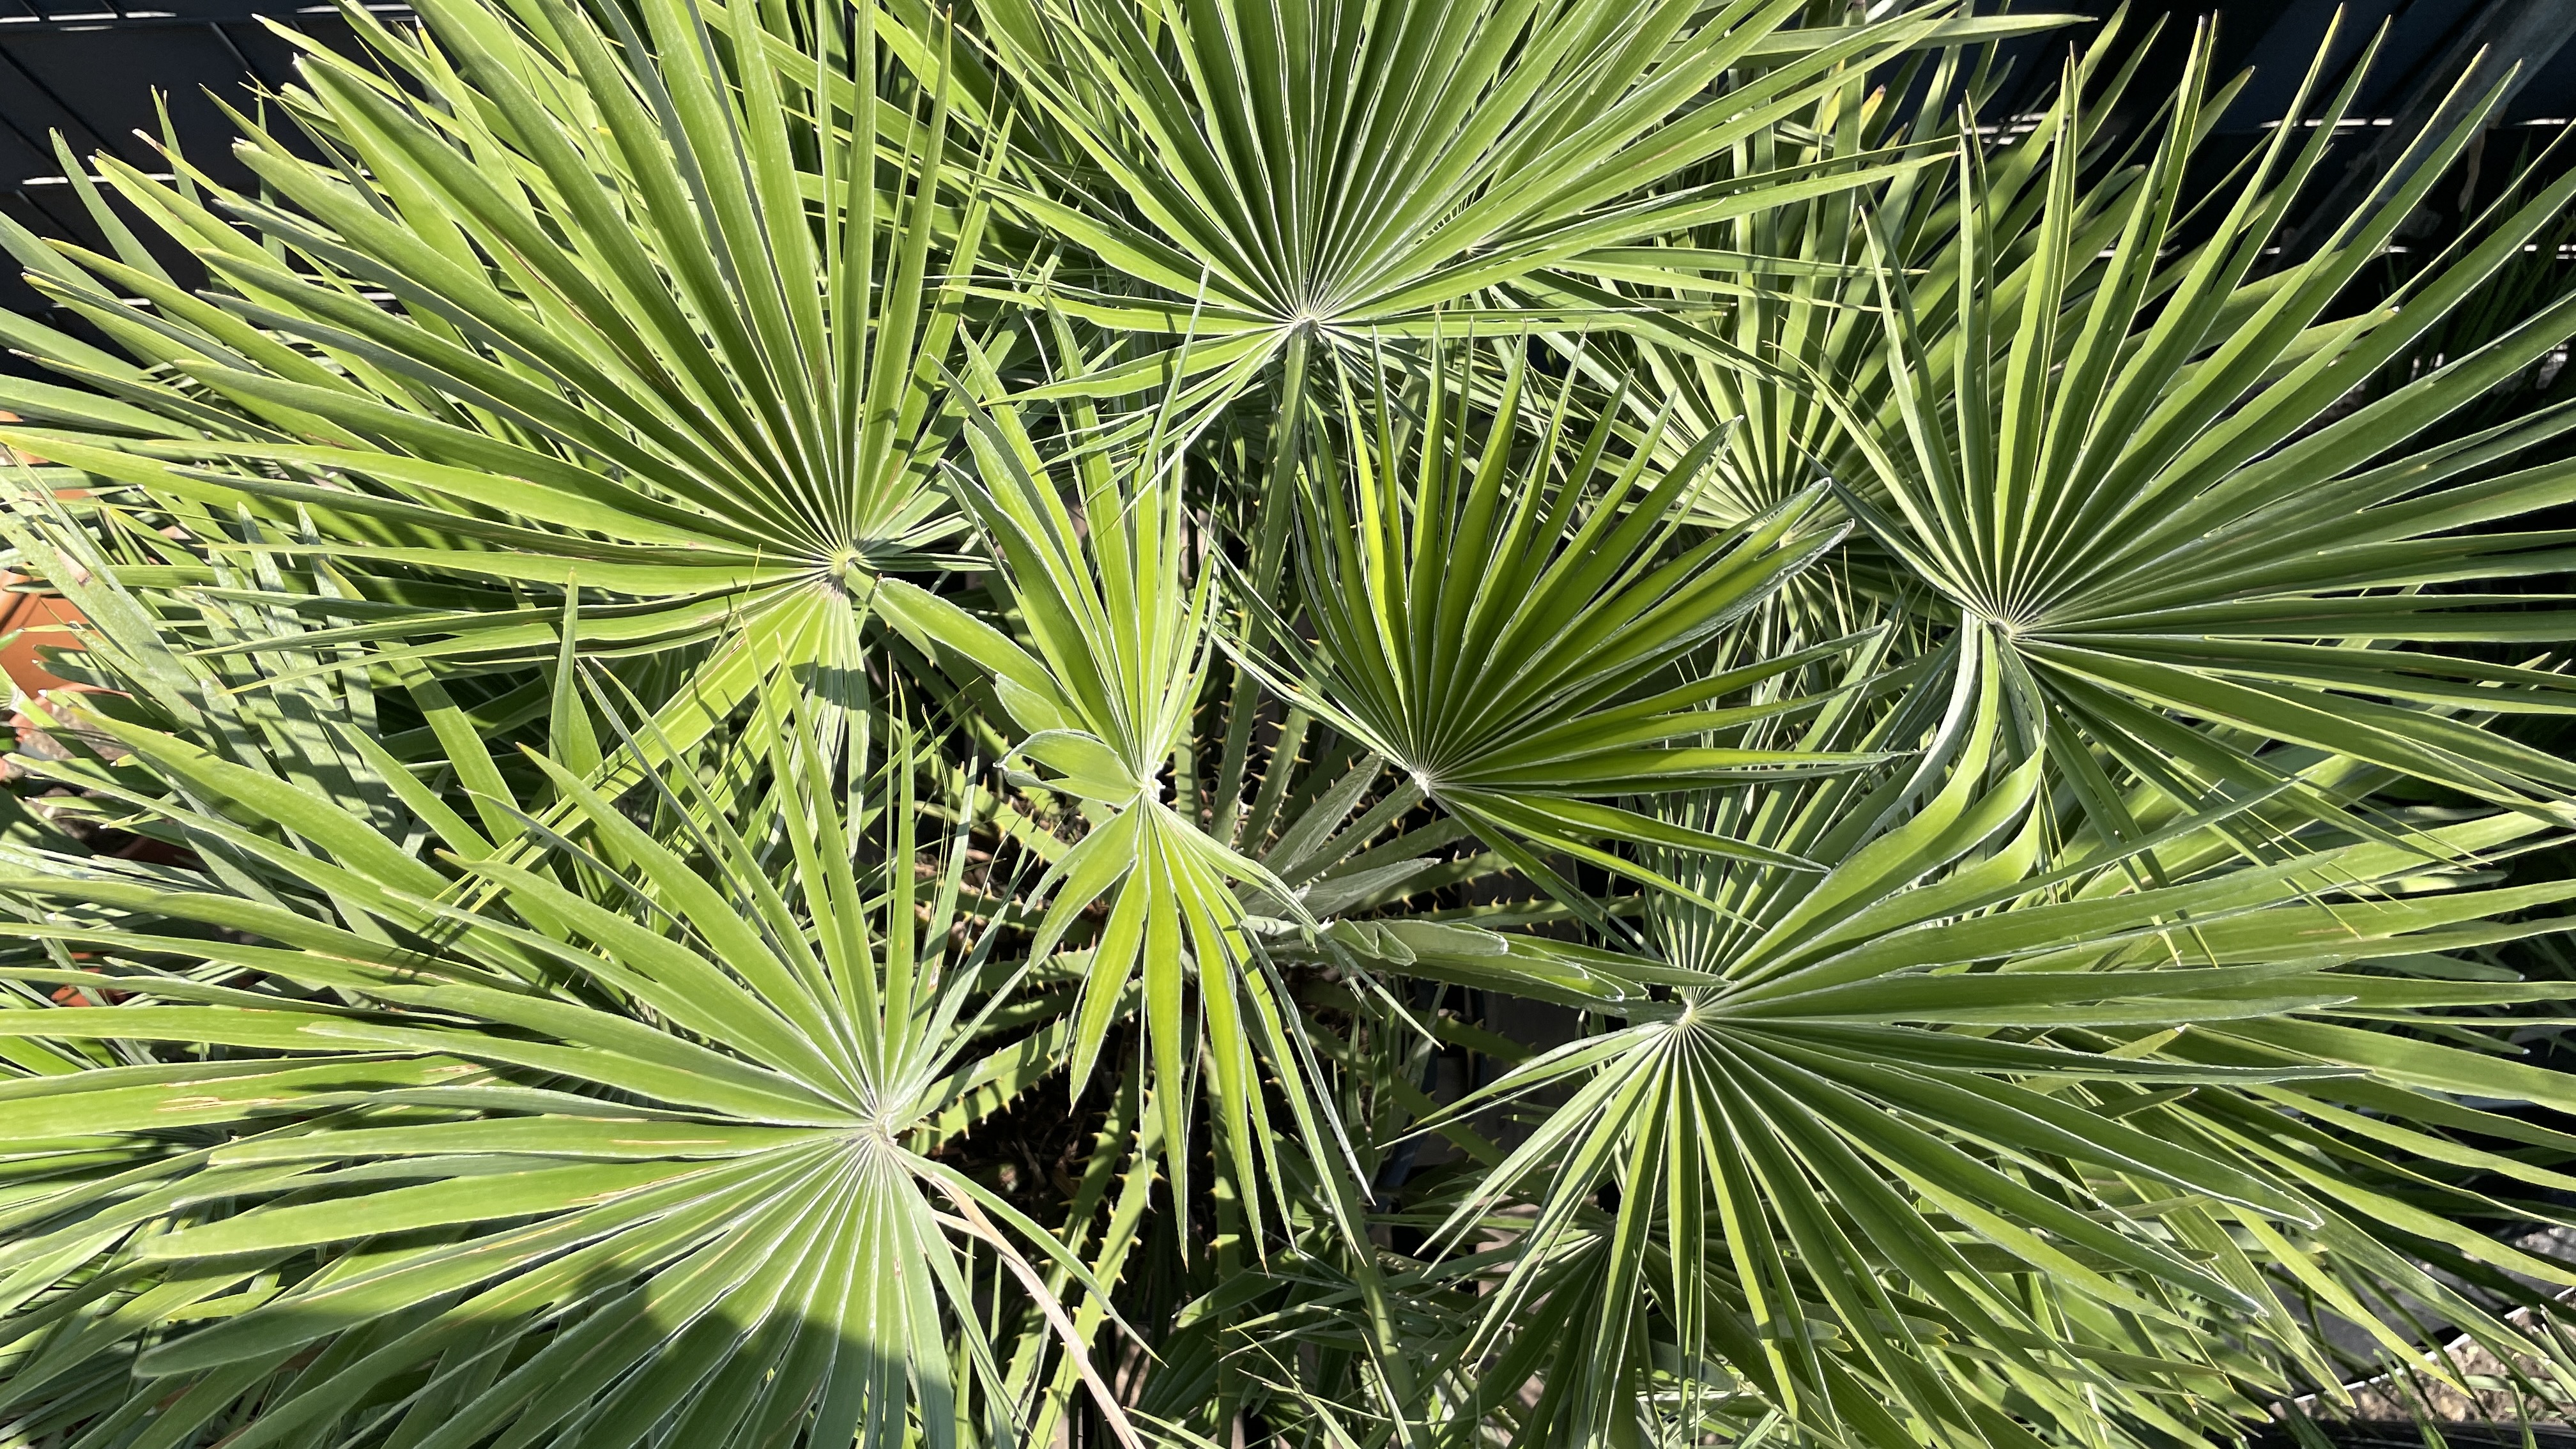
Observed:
{"x":1255,"y":176}
{"x":636,"y":1132}
{"x":544,"y":318}
{"x":2143,"y":493}
{"x":1956,"y":1140}
{"x":1502,"y":626}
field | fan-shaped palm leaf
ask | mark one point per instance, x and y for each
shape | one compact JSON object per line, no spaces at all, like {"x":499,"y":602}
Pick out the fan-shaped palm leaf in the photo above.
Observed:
{"x":545,"y":317}
{"x":1120,"y":635}
{"x":1944,"y":1146}
{"x":2141,"y":493}
{"x":1505,"y":627}
{"x":568,"y":1151}
{"x":1348,"y":168}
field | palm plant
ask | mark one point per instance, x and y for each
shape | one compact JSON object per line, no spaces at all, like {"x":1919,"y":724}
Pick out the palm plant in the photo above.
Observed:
{"x":1348,"y":722}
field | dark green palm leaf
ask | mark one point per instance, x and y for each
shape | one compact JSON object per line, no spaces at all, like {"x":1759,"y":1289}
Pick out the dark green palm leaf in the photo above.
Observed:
{"x":1506,"y":630}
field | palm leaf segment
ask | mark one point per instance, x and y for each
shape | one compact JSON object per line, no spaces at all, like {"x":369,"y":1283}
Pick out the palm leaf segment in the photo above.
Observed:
{"x":2121,"y":466}
{"x":545,"y":318}
{"x":1352,"y":167}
